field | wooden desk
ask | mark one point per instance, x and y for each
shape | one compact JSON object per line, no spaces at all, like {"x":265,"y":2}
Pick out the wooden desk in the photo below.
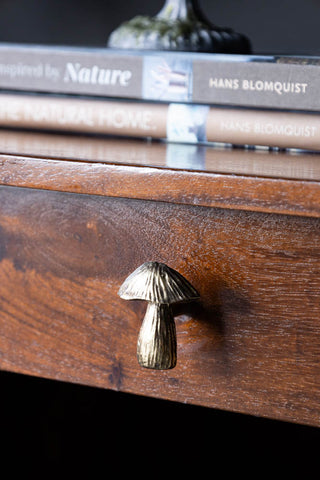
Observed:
{"x":78,"y":214}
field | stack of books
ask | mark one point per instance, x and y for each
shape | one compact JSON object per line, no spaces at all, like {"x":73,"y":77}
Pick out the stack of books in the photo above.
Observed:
{"x":236,"y":100}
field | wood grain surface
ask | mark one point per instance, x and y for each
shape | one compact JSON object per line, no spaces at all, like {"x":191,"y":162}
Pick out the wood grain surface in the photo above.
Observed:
{"x":251,"y":344}
{"x":205,"y":158}
{"x":189,"y":187}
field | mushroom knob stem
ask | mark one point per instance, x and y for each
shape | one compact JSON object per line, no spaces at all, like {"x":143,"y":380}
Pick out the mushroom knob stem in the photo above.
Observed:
{"x":160,"y":286}
{"x":157,"y":344}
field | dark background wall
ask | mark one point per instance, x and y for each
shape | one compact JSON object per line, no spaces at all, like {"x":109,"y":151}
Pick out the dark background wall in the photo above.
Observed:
{"x":285,"y":26}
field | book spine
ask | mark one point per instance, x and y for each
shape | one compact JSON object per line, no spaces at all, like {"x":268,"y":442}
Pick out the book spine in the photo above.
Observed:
{"x":264,"y":128}
{"x":181,"y":123}
{"x":133,"y":119}
{"x":237,"y":80}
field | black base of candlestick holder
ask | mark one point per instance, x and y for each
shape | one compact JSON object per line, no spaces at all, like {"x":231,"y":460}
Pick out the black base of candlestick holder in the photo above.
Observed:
{"x":179,"y":26}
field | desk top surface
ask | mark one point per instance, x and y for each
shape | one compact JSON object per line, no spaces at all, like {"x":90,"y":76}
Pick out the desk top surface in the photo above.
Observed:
{"x":210,"y":159}
{"x":259,"y":180}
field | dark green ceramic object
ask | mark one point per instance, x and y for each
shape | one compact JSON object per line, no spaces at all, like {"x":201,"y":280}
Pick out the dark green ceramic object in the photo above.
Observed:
{"x":181,"y":26}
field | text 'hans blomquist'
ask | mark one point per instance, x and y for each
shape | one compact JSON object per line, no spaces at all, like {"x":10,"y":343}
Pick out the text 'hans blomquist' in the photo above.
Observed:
{"x":279,"y":88}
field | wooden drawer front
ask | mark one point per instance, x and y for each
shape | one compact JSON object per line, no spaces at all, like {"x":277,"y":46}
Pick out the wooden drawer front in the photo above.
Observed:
{"x":252,"y":344}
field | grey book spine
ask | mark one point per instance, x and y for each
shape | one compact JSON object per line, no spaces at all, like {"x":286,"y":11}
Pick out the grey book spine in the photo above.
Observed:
{"x":214,"y":79}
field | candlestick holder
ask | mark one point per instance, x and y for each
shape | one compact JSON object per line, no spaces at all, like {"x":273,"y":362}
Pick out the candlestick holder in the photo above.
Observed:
{"x":179,"y":26}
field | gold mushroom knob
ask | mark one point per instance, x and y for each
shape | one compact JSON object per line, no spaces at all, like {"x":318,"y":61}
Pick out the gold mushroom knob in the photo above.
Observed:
{"x":161,"y":286}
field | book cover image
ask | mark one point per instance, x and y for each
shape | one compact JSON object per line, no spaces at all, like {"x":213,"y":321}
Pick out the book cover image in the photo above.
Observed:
{"x":167,"y":79}
{"x":187,"y":123}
